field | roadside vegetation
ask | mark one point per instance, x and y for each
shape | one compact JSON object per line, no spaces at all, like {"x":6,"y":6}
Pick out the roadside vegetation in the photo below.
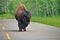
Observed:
{"x":6,"y":16}
{"x":53,"y":21}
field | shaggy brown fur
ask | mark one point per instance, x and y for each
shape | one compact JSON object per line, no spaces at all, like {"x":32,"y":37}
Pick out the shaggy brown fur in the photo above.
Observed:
{"x":19,"y":10}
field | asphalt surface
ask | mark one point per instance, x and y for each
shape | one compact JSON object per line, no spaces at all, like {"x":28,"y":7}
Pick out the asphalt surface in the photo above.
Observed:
{"x":35,"y":31}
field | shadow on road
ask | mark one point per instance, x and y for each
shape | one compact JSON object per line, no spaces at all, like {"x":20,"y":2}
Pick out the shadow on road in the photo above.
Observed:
{"x":12,"y":31}
{"x":16,"y":31}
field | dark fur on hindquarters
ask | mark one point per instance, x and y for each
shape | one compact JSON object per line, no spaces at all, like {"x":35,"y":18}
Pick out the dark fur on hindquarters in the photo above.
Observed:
{"x":22,"y":25}
{"x":20,"y":29}
{"x":25,"y":23}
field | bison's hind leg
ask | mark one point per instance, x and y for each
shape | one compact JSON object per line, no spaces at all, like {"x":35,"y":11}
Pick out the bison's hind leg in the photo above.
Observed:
{"x":20,"y":29}
{"x":24,"y":28}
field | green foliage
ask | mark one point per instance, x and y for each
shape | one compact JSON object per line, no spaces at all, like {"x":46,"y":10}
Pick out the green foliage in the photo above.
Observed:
{"x":58,"y":6}
{"x":53,"y":21}
{"x":6,"y":16}
{"x":3,"y":6}
{"x":37,"y":7}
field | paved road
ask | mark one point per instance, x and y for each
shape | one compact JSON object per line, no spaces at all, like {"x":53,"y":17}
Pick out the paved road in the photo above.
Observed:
{"x":35,"y":31}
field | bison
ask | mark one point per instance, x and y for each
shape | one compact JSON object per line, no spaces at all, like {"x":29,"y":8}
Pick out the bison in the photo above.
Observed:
{"x":23,"y":17}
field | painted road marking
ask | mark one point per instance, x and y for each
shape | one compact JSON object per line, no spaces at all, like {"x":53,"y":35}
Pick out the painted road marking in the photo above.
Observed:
{"x":8,"y":36}
{"x":3,"y":28}
{"x":6,"y":33}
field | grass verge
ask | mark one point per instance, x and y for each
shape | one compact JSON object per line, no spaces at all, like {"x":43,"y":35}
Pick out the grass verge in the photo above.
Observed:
{"x":53,"y":21}
{"x":6,"y":16}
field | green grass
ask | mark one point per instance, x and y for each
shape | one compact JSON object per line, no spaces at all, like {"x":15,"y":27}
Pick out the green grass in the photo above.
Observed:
{"x":6,"y":16}
{"x":54,"y":21}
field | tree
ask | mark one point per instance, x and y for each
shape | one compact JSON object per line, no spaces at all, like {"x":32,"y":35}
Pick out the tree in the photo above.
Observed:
{"x":3,"y":6}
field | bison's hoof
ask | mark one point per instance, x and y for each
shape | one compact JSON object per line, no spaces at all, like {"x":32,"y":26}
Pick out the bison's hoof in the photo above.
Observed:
{"x":20,"y":30}
{"x":24,"y":29}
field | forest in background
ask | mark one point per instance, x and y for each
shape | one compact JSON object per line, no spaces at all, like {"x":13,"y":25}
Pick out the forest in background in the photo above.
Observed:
{"x":37,"y":7}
